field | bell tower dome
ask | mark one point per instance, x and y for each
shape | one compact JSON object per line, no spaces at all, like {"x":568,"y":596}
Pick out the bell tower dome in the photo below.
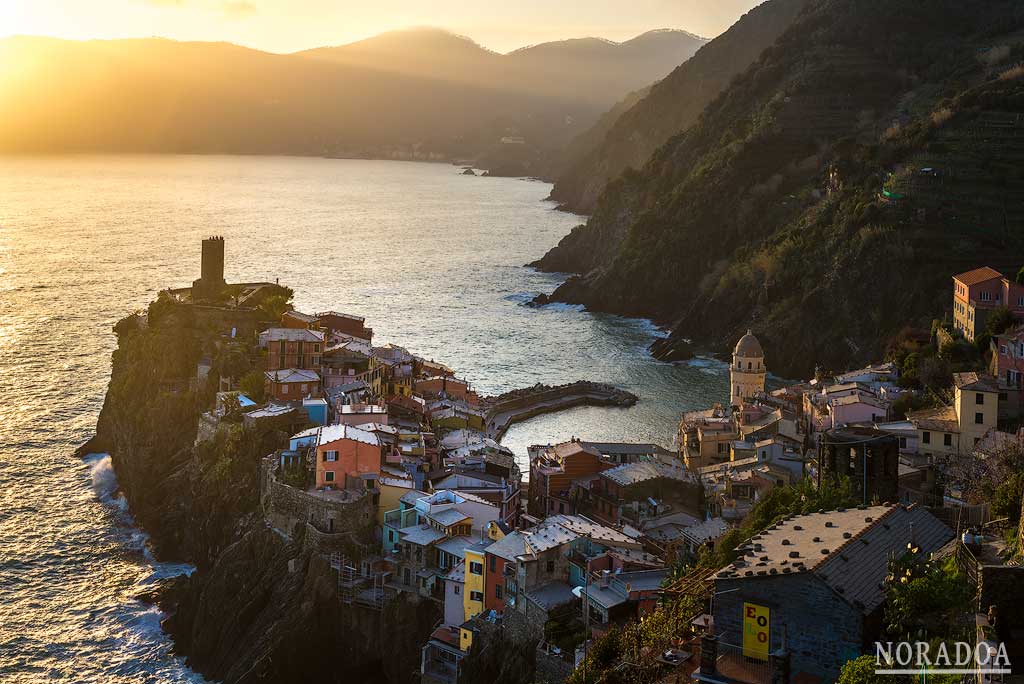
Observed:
{"x":747,"y":372}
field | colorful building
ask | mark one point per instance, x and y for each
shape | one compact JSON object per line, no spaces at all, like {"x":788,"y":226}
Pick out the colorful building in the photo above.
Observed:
{"x":977,"y":293}
{"x":344,"y":454}
{"x":552,"y":473}
{"x":292,"y":348}
{"x":291,"y":384}
{"x":345,"y":324}
{"x":1007,"y":366}
{"x":475,"y":582}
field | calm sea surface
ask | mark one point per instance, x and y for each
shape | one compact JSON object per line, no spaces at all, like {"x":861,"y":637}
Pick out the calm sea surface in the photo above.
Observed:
{"x":433,"y":259}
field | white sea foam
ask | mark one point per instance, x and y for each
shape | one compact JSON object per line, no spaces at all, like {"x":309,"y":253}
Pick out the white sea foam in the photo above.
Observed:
{"x":104,"y":481}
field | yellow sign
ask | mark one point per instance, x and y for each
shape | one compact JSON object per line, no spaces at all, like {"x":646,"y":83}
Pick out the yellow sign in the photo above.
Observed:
{"x":756,"y":631}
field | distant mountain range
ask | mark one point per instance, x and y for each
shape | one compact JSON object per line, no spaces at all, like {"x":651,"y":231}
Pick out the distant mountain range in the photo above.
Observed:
{"x":418,"y":93}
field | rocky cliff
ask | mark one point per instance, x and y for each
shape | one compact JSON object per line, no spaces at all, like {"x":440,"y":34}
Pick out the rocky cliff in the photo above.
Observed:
{"x":827,"y":195}
{"x":261,"y":606}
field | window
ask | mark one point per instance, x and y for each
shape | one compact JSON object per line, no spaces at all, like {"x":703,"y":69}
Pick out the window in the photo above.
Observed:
{"x":979,"y":418}
{"x":329,"y":476}
{"x":561,"y":508}
{"x":284,"y":389}
{"x":947,"y":439}
{"x":330,"y":456}
{"x":749,"y":365}
{"x":476,"y":568}
{"x":476,"y":596}
{"x":455,"y":588}
{"x":391,"y":535}
{"x":491,"y":563}
{"x":497,"y":591}
{"x":926,"y":437}
{"x":903,"y":442}
{"x":551,"y":566}
{"x":979,"y":398}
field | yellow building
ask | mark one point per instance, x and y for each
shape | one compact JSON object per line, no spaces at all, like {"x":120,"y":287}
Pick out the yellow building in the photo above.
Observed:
{"x":977,"y":406}
{"x":747,"y":373}
{"x":465,"y":639}
{"x":957,"y":429}
{"x":392,"y":489}
{"x":705,"y":437}
{"x":494,"y":531}
{"x":473,"y":594}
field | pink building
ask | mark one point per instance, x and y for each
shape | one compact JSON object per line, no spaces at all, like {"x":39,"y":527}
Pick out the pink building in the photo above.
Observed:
{"x":978,"y":292}
{"x":1008,"y":367}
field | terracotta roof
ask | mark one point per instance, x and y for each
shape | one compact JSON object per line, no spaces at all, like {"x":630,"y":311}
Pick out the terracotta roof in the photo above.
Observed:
{"x":975,"y":382}
{"x":292,"y":335}
{"x":942,"y":418}
{"x":634,"y":473}
{"x":978,"y":275}
{"x":292,"y":375}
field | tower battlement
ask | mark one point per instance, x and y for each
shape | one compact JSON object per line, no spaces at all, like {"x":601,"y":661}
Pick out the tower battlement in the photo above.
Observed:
{"x":211,"y":283}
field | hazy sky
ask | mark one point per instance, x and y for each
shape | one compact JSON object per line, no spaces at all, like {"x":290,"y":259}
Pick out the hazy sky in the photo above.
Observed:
{"x":288,"y":25}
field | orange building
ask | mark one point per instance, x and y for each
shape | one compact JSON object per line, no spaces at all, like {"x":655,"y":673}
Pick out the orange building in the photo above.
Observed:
{"x":292,"y":384}
{"x":293,"y":348}
{"x":443,"y":385}
{"x":345,"y":324}
{"x":979,"y":292}
{"x":344,"y":454}
{"x":553,"y":472}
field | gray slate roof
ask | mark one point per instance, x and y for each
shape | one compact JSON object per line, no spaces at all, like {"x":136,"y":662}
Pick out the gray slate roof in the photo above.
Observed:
{"x":848,"y":549}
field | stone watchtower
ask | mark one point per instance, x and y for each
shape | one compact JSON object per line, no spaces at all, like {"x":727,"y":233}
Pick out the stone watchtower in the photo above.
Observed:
{"x":211,"y":283}
{"x":747,"y":373}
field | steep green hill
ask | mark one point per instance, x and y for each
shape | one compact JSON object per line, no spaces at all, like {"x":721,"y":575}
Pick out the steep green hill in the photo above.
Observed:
{"x":768,"y":212}
{"x":632,"y":135}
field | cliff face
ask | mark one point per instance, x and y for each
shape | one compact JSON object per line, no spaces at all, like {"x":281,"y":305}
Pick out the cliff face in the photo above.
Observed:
{"x":629,"y":134}
{"x":267,"y":611}
{"x":769,"y":212}
{"x":260,"y":607}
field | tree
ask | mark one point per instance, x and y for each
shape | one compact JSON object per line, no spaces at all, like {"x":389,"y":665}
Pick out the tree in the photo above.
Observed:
{"x":999,"y":321}
{"x":1020,"y":276}
{"x":252,"y":385}
{"x":273,"y":307}
{"x":935,"y":374}
{"x":862,"y":671}
{"x":233,"y":363}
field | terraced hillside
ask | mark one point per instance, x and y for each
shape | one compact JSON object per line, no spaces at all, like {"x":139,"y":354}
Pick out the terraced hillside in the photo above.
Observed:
{"x":800,"y":203}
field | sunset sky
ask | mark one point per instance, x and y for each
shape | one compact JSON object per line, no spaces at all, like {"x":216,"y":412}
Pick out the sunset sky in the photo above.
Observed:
{"x":290,"y":25}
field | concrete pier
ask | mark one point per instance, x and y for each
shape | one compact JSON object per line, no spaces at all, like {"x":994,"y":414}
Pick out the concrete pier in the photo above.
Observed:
{"x":512,"y":407}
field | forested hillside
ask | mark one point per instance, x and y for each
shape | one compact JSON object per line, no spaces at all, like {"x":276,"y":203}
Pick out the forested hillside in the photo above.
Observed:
{"x":628,"y":135}
{"x":827,"y":196}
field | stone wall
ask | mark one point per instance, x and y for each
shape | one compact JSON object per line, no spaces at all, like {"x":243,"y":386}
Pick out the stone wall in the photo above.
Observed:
{"x":329,"y":519}
{"x":821,"y":630}
{"x":1002,"y":586}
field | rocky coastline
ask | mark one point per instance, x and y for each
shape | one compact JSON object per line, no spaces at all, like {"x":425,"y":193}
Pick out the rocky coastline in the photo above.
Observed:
{"x":263,"y":604}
